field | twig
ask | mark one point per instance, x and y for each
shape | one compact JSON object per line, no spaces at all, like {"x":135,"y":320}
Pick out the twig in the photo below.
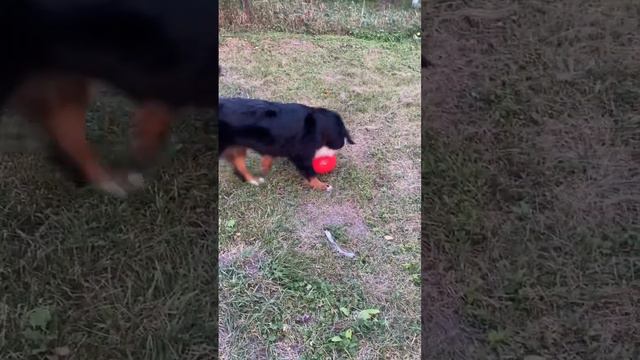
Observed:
{"x":337,"y":247}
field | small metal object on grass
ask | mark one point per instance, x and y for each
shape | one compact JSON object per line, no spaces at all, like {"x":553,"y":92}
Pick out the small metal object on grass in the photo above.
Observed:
{"x":337,"y":247}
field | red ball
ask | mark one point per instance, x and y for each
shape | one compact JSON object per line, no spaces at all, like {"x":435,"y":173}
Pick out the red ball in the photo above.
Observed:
{"x":324,"y":164}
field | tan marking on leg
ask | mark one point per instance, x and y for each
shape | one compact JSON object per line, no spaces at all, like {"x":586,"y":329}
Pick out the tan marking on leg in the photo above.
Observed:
{"x":59,"y":104}
{"x":66,"y":126}
{"x":319,"y":185}
{"x":237,"y":156}
{"x":152,"y":125}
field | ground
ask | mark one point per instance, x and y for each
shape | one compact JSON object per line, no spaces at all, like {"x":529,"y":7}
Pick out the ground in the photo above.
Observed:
{"x":531,"y":200}
{"x":86,"y":276}
{"x":284,"y":293}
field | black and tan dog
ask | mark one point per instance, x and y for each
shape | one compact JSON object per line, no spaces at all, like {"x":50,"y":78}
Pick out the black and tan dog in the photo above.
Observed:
{"x":294,"y":131}
{"x":161,"y":53}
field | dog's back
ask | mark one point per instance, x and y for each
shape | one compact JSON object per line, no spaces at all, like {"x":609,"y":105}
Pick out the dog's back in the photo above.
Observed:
{"x":295,"y":131}
{"x":267,"y":127}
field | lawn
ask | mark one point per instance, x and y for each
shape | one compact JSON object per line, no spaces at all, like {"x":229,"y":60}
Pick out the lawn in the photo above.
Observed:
{"x":284,"y":292}
{"x":87,"y":276}
{"x":530,"y":177}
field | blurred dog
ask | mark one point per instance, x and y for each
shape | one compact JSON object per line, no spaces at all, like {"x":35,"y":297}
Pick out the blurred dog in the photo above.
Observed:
{"x":163,"y":54}
{"x":295,"y":131}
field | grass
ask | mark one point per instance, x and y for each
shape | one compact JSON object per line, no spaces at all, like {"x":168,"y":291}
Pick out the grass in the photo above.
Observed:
{"x":86,"y":276}
{"x":284,"y":293}
{"x":388,"y":21}
{"x":532,"y":190}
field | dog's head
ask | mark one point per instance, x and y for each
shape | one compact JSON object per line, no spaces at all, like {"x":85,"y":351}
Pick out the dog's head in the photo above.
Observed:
{"x":331,"y":129}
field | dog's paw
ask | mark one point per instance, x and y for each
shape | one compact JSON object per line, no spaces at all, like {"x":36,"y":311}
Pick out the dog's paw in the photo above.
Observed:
{"x":135,"y":179}
{"x":121,"y":184}
{"x":256,"y":181}
{"x":112,"y":188}
{"x":319,"y":185}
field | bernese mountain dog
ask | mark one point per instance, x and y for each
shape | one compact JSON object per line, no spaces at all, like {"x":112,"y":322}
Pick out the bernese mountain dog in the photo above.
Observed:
{"x":163,"y":54}
{"x":294,"y":131}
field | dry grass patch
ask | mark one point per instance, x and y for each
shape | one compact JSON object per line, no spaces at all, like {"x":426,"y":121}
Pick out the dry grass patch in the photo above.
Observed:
{"x":531,"y":198}
{"x":308,"y":294}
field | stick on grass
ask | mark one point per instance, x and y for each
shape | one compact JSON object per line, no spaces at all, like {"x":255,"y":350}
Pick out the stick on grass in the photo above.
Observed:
{"x":337,"y":247}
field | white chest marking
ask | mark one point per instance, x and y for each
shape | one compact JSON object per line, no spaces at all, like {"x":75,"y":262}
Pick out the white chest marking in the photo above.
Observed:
{"x":324,"y":151}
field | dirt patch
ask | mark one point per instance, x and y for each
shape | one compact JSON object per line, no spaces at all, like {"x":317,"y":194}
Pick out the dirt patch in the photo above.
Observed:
{"x":288,"y":350}
{"x":228,"y":257}
{"x":290,"y":46}
{"x":409,"y":95}
{"x":407,"y":176}
{"x":233,"y":52}
{"x":253,"y":263}
{"x":366,"y":353}
{"x":317,"y":217}
{"x":360,"y":152}
{"x":235,"y":46}
{"x":333,"y":78}
{"x":372,"y":58}
{"x":248,"y":258}
{"x":243,"y":86}
{"x":380,"y":285}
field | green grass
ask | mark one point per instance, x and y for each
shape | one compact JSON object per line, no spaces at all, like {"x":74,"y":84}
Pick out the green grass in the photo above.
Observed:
{"x":284,"y":292}
{"x":364,"y":20}
{"x":531,"y":182}
{"x":104,"y":278}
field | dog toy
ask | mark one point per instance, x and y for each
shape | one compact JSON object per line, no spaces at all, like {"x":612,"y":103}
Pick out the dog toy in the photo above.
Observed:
{"x":324,"y":164}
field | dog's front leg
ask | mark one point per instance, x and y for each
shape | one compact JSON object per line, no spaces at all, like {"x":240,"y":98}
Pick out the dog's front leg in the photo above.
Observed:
{"x":151,"y":129}
{"x":304,"y":165}
{"x":58,"y":104}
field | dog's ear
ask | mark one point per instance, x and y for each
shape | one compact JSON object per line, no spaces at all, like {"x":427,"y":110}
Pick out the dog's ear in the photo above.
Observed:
{"x":334,"y":132}
{"x":343,"y":129}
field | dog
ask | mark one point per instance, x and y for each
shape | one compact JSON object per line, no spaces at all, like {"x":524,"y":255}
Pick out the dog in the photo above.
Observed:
{"x":294,"y":131}
{"x":163,"y":54}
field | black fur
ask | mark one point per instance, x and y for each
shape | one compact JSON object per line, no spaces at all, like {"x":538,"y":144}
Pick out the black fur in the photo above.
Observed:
{"x":162,"y":51}
{"x":293,"y":131}
{"x":153,"y":50}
